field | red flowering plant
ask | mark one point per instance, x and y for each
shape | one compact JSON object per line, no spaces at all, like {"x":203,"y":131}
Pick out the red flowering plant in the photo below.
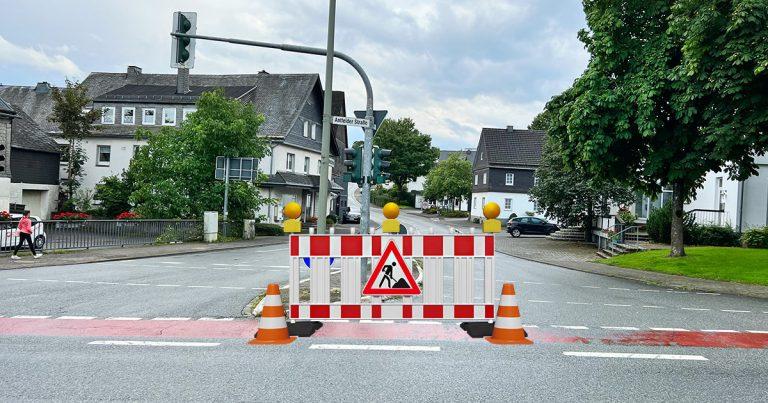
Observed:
{"x":70,"y":216}
{"x":127,"y":215}
{"x":5,"y":216}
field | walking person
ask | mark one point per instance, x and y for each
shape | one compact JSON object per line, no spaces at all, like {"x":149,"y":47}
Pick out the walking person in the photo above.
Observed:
{"x":25,"y":234}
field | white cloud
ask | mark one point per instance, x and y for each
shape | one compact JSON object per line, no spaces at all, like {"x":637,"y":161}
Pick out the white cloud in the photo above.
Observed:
{"x":17,"y":55}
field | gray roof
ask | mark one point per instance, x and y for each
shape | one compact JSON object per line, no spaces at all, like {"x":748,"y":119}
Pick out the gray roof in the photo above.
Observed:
{"x":37,"y":104}
{"x":299,"y":180}
{"x":468,"y":154}
{"x":27,"y":135}
{"x":5,"y":107}
{"x":166,"y":93}
{"x":512,"y":146}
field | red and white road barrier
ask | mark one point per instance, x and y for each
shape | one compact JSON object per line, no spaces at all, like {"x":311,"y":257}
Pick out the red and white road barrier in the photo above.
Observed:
{"x":464,"y":252}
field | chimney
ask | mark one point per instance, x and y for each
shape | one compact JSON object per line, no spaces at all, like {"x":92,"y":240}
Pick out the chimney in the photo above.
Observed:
{"x":510,"y":129}
{"x":42,"y":88}
{"x":132,"y":74}
{"x":182,"y":81}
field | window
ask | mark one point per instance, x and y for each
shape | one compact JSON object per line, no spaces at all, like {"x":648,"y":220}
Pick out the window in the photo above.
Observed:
{"x":290,"y":162}
{"x":510,"y":179}
{"x":108,"y":115}
{"x":185,"y":112}
{"x":169,"y":116}
{"x":507,"y":204}
{"x":314,"y":131}
{"x":481,"y":155}
{"x":319,"y":162}
{"x":475,"y":179}
{"x":474,"y":201}
{"x":485,"y":177}
{"x":129,"y":116}
{"x":306,"y":165}
{"x":103,"y":154}
{"x":483,"y":202}
{"x":306,"y":128}
{"x":148,"y":116}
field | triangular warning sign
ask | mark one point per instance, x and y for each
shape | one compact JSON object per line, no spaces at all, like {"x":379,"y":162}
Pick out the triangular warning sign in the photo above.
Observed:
{"x":391,"y":275}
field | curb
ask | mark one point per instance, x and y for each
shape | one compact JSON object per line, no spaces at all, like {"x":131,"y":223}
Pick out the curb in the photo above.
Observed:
{"x":658,"y":279}
{"x":143,"y":256}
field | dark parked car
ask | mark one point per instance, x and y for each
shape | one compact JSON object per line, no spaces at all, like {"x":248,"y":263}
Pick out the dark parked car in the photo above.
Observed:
{"x":350,"y":216}
{"x":530,"y":225}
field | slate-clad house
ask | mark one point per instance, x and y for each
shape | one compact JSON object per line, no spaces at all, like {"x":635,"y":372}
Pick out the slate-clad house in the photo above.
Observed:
{"x":29,"y":163}
{"x":503,"y":169}
{"x":291,"y":104}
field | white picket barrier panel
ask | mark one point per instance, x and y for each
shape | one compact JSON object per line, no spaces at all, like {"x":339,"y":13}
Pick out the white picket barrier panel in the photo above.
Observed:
{"x":433,"y":250}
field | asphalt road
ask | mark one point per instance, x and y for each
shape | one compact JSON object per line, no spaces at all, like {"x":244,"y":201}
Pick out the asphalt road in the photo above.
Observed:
{"x":86,"y":332}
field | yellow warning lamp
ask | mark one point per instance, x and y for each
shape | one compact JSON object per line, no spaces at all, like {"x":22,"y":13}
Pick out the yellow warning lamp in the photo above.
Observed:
{"x":491,"y":210}
{"x":292,"y":210}
{"x":391,"y":224}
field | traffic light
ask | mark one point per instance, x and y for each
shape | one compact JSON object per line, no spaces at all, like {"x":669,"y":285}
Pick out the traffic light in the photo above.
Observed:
{"x":380,"y":165}
{"x":353,"y":160}
{"x":183,"y":49}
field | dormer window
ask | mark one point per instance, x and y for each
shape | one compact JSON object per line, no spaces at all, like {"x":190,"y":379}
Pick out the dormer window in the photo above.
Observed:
{"x":129,"y":116}
{"x":306,"y":128}
{"x":108,"y":115}
{"x":481,"y":155}
{"x":314,"y":131}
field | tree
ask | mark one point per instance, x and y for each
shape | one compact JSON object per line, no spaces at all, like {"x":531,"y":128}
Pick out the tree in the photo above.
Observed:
{"x":412,"y":152}
{"x":450,"y":179}
{"x":173,"y":175}
{"x":541,"y":121}
{"x":572,"y":195}
{"x":114,"y":193}
{"x":673,"y":89}
{"x":75,"y":123}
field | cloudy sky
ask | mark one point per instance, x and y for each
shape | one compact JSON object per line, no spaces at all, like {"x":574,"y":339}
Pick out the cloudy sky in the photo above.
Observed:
{"x":452,"y":66}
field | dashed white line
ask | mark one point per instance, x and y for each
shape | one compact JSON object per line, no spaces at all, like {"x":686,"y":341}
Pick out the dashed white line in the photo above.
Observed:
{"x":372,"y":347}
{"x":232,"y":288}
{"x":719,"y":331}
{"x":76,"y":317}
{"x":259,"y":288}
{"x":221,"y":264}
{"x":635,"y":355}
{"x":136,"y":284}
{"x":174,"y":319}
{"x":531,"y":282}
{"x":734,"y":311}
{"x":122,"y":318}
{"x":579,"y":303}
{"x":570,"y":327}
{"x":707,"y":293}
{"x":200,"y":286}
{"x":589,"y":286}
{"x":17,"y":279}
{"x":695,"y":309}
{"x":622,"y":305}
{"x":49,"y":281}
{"x":107,"y":283}
{"x":619,"y":328}
{"x":152,"y":343}
{"x":77,"y":282}
{"x":620,"y":289}
{"x":30,"y":317}
{"x":649,"y":290}
{"x":669,"y":329}
{"x":171,"y":262}
{"x":653,"y":306}
{"x":168,"y":285}
{"x":758,"y":331}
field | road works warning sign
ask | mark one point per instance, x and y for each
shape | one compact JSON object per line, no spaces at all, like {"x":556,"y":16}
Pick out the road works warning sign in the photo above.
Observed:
{"x":391,"y":275}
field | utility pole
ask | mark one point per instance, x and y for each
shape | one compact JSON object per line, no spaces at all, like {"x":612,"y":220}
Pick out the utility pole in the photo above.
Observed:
{"x":322,"y":197}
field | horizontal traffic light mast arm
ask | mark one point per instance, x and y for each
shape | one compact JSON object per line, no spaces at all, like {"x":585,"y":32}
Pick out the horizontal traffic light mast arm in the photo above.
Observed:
{"x":297,"y":49}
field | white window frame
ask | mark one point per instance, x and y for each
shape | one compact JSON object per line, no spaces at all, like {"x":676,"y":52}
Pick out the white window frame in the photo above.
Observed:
{"x":104,"y":115}
{"x":476,"y":176}
{"x":144,"y":116}
{"x":319,"y":162}
{"x":507,"y":177}
{"x":485,"y":178}
{"x":99,"y":162}
{"x":123,"y":116}
{"x":174,"y":117}
{"x":481,"y":155}
{"x":507,"y":204}
{"x":307,"y":164}
{"x":306,"y":128}
{"x":186,"y":111}
{"x":314,"y":131}
{"x":290,"y":162}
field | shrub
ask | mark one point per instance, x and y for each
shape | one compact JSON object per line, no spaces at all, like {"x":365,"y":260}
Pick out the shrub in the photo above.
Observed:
{"x":331,"y":219}
{"x":755,"y":238}
{"x":268,"y":229}
{"x":5,"y":216}
{"x":431,"y":210}
{"x":70,"y":215}
{"x":659,"y":224}
{"x":626,"y":217}
{"x":713,"y":235}
{"x":127,"y":215}
{"x":454,"y":214}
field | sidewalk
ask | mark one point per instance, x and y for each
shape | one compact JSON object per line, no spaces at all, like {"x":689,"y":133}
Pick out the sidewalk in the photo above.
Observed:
{"x":133,"y":252}
{"x":581,"y":257}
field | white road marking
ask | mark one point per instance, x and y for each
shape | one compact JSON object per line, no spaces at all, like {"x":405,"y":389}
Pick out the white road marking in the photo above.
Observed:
{"x":734,"y":311}
{"x":168,"y":285}
{"x":531,"y":282}
{"x":621,"y":289}
{"x":176,"y":319}
{"x":232,"y":288}
{"x":377,"y":321}
{"x":200,"y":286}
{"x":635,"y":355}
{"x":579,"y":303}
{"x":122,"y":318}
{"x":619,"y":328}
{"x":653,"y":306}
{"x":540,"y":301}
{"x":707,"y":293}
{"x":695,"y":309}
{"x":76,"y":317}
{"x":589,"y":286}
{"x":106,"y":282}
{"x":258,"y":288}
{"x":678,"y":292}
{"x":423,"y":322}
{"x":217,"y":319}
{"x":29,"y":317}
{"x":221,"y":268}
{"x":17,"y":279}
{"x":77,"y":282}
{"x":247,"y":270}
{"x":669,"y":329}
{"x":649,"y":290}
{"x":570,"y":327}
{"x":49,"y":281}
{"x":758,"y":331}
{"x":221,"y":264}
{"x":171,"y":262}
{"x":152,"y":343}
{"x":624,"y":305}
{"x":719,"y":331}
{"x":372,"y":347}
{"x":136,"y":284}
{"x":531,"y":326}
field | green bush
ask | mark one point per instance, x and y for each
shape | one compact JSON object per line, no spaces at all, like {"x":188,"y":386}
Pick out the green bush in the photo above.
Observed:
{"x":755,"y":238}
{"x":713,"y":235}
{"x":331,"y":219}
{"x":268,"y":229}
{"x":431,"y":210}
{"x":627,"y":217}
{"x":454,"y":214}
{"x":659,"y":226}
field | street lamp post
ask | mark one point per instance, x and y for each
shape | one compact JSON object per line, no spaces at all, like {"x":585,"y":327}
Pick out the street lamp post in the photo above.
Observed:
{"x":322,"y":198}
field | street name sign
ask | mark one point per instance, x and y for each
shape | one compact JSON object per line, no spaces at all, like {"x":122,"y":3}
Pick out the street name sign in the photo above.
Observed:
{"x":349,"y":121}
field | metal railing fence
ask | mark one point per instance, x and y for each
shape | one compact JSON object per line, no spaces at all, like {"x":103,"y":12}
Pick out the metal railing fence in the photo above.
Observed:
{"x":708,"y":217}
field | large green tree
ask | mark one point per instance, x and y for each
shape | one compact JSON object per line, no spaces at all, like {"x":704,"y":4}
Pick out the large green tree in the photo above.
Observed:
{"x":75,"y":122}
{"x":450,"y":179}
{"x":412,"y":151}
{"x":673,"y":89}
{"x":173,"y":175}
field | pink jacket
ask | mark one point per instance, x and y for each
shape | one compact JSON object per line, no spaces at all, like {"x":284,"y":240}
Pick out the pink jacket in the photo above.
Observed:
{"x":25,"y":225}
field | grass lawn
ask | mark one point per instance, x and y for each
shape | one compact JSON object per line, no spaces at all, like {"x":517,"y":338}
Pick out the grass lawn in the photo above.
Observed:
{"x":714,"y":263}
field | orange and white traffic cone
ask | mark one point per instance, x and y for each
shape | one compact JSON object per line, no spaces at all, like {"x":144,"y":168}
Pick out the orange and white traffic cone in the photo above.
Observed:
{"x":508,"y":329}
{"x":272,"y":326}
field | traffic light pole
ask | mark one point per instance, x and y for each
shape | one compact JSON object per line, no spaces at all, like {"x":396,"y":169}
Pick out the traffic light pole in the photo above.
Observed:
{"x":322,"y":197}
{"x":365,"y":207}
